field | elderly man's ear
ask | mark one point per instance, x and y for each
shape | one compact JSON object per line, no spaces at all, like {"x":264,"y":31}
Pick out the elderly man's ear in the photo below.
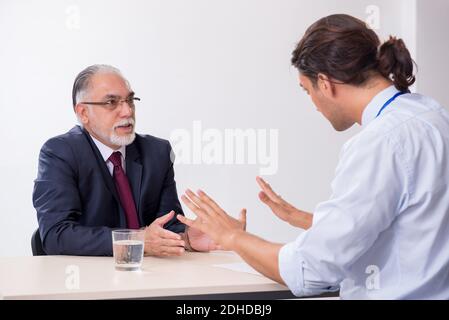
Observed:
{"x":81,"y":112}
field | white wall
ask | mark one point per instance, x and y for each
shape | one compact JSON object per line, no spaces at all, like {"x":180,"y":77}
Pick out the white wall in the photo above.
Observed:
{"x":222,"y":62}
{"x":433,"y":47}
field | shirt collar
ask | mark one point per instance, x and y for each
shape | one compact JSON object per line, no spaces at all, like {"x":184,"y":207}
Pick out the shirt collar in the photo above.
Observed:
{"x":373,"y":108}
{"x":107,"y":151}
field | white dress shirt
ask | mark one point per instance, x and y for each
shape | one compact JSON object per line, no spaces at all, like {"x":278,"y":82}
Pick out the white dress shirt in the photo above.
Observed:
{"x":106,"y":152}
{"x":384,"y":233}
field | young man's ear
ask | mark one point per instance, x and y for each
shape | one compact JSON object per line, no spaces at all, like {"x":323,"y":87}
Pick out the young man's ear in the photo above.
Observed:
{"x":81,"y":112}
{"x":326,"y":86}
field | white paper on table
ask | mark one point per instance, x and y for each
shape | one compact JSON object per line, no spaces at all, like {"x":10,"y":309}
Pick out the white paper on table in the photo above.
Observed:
{"x":239,"y":267}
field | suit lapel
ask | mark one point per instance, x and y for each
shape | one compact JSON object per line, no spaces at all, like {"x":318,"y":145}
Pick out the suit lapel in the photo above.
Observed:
{"x":134,"y":173}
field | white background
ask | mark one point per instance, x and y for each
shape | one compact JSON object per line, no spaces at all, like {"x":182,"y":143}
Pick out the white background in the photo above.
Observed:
{"x":223,"y":62}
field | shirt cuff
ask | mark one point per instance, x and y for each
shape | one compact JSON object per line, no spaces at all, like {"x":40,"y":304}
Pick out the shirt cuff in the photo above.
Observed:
{"x":291,"y":269}
{"x":185,"y":237}
{"x":296,"y":273}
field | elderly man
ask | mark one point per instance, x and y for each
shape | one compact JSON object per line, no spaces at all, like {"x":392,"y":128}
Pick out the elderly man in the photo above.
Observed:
{"x":101,"y":175}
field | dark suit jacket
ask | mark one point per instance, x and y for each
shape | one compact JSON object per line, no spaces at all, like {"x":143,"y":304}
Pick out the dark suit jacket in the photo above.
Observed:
{"x":75,"y":197}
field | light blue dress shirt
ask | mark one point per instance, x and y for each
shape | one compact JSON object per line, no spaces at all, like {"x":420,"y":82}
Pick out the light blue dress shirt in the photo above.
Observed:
{"x":384,"y":233}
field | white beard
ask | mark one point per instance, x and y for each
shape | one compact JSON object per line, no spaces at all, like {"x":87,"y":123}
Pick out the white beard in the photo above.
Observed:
{"x":122,"y":140}
{"x":114,"y":139}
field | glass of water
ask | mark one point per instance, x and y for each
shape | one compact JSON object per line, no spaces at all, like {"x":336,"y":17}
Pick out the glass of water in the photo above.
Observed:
{"x":128,"y":247}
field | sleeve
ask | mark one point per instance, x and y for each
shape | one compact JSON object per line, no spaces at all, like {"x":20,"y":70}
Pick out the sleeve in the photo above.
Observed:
{"x":368,"y":192}
{"x":58,"y":205}
{"x":169,"y":197}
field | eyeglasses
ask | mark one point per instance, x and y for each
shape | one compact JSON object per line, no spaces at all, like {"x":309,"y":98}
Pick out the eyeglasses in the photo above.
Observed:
{"x":112,"y":103}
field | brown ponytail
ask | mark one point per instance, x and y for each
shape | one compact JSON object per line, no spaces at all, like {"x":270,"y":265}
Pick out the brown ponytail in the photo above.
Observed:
{"x":395,"y":63}
{"x":345,"y":49}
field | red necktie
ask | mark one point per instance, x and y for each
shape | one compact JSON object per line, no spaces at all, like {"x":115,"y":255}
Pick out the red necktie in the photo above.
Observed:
{"x":124,"y":191}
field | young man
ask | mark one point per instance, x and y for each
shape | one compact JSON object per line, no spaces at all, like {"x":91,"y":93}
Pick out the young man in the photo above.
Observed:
{"x":384,"y":233}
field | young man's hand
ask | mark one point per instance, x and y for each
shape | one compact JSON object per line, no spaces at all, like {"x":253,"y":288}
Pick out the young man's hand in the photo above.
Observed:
{"x":281,"y":208}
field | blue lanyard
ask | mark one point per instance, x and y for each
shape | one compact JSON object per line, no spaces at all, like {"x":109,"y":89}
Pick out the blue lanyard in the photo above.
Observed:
{"x":390,"y":101}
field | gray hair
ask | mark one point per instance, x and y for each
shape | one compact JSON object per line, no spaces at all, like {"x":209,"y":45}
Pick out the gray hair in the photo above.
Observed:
{"x":82,"y":80}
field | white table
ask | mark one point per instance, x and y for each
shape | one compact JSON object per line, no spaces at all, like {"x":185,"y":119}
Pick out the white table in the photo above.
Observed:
{"x":191,"y":276}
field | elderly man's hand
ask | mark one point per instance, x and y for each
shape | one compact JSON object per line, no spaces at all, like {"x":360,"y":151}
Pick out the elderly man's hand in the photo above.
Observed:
{"x":161,"y":242}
